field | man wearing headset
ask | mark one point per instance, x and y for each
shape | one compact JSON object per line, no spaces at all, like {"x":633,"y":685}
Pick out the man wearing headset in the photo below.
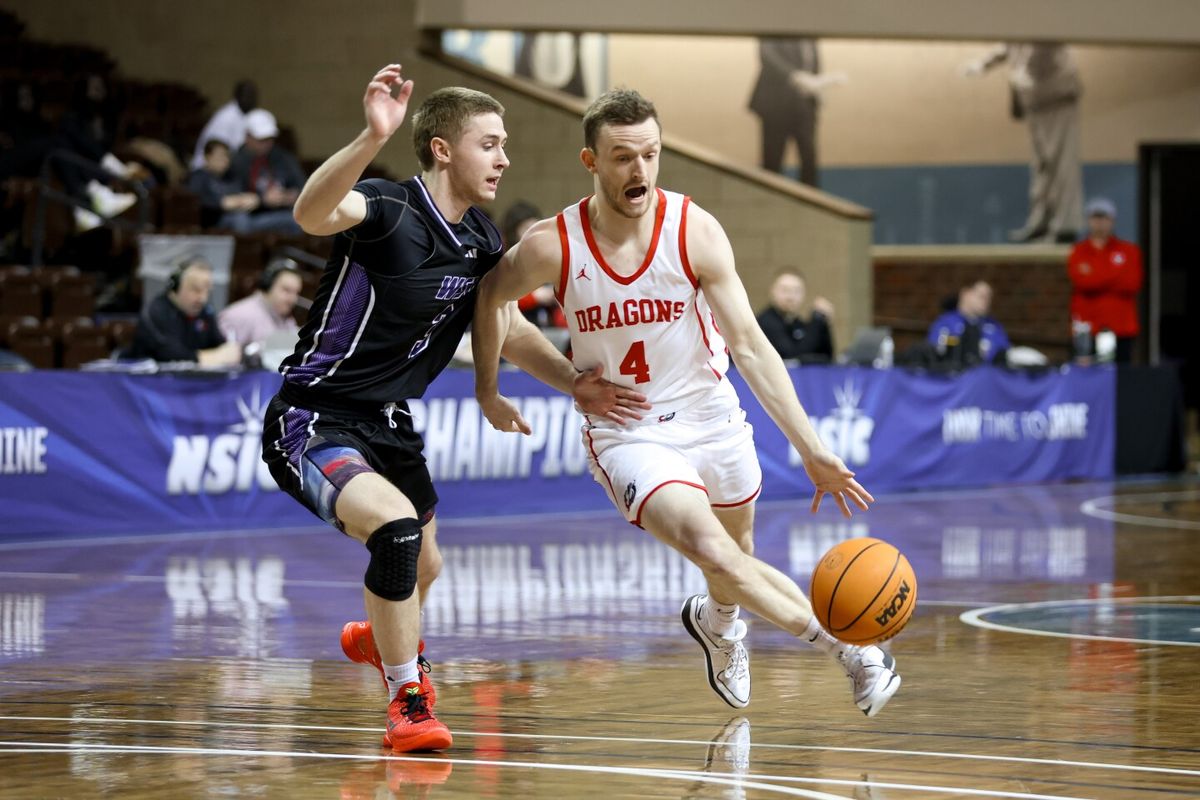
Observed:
{"x":179,"y":324}
{"x":268,"y":310}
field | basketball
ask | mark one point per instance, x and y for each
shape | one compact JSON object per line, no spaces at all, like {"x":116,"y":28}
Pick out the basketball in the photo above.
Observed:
{"x":863,"y":591}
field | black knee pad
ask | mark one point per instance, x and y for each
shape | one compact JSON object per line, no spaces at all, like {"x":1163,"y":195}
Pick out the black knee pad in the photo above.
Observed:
{"x":395,"y":548}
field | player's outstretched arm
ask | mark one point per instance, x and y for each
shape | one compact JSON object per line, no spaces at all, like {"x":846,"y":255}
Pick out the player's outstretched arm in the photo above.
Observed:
{"x":327,"y":204}
{"x":523,"y":268}
{"x":760,"y":365}
{"x":500,"y":329}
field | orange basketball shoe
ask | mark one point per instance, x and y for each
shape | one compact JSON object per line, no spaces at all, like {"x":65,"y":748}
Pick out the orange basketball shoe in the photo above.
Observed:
{"x":411,"y":726}
{"x":358,"y":644}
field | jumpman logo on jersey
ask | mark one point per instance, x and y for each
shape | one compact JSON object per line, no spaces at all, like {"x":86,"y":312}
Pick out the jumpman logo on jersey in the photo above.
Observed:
{"x":583,"y":273}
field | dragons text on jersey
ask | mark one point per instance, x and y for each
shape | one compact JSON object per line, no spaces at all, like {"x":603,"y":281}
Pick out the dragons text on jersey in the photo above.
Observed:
{"x":651,"y":330}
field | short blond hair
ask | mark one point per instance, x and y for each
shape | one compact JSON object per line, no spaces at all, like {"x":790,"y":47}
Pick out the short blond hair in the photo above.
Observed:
{"x":444,"y":115}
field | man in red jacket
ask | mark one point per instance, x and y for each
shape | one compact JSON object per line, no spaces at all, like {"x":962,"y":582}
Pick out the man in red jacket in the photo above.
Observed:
{"x":1106,"y":276}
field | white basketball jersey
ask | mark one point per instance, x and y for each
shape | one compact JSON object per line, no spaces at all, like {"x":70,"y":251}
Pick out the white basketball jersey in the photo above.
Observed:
{"x":653,"y":330}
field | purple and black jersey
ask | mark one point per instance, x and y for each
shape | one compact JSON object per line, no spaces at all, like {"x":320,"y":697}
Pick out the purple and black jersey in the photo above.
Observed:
{"x":397,"y":295}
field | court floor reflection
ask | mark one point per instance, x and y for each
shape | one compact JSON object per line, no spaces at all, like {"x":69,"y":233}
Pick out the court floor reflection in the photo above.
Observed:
{"x":564,"y":672}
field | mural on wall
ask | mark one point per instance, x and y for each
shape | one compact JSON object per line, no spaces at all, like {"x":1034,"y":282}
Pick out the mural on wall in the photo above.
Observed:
{"x":787,"y":98}
{"x":1044,"y":91}
{"x":569,"y":62}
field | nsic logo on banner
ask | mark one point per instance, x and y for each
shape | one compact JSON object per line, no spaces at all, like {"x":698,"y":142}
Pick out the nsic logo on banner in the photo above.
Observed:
{"x":846,"y":431}
{"x":230,"y":461}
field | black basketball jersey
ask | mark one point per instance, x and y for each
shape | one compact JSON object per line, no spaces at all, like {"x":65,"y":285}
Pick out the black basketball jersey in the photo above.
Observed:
{"x":396,"y":296}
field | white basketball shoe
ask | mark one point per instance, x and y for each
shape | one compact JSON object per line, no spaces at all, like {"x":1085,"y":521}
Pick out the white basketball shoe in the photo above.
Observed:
{"x":873,"y":677}
{"x":726,"y":657}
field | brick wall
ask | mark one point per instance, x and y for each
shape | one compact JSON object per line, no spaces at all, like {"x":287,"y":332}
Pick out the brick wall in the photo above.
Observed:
{"x":1031,"y":291}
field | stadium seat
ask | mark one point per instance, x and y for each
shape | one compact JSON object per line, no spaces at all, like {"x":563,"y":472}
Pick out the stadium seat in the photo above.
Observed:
{"x":119,"y":332}
{"x":21,"y":294}
{"x":28,"y":339}
{"x":13,"y":321}
{"x":72,"y":295}
{"x":82,"y":342}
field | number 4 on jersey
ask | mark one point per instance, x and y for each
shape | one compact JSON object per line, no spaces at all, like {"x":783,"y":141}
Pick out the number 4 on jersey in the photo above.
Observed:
{"x":635,"y":364}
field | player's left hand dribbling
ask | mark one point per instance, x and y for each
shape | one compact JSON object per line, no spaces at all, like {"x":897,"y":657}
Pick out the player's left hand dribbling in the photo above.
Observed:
{"x":602,"y":398}
{"x":832,"y":477}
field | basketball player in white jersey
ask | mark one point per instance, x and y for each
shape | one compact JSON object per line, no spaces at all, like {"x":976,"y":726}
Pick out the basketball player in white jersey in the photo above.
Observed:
{"x":647,"y":281}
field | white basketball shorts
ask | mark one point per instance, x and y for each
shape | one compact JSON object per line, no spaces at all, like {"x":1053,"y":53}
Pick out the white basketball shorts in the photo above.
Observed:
{"x":708,"y":445}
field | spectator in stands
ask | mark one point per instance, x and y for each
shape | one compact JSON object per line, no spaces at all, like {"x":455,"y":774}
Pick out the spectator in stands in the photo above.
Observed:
{"x":87,"y":131}
{"x":965,"y":335}
{"x":219,"y":198}
{"x":539,"y":306}
{"x":252,"y":319}
{"x":262,"y":167}
{"x":810,"y":341}
{"x":229,"y":122}
{"x":25,"y":139}
{"x":25,"y":136}
{"x":1106,"y":276}
{"x":179,"y":324}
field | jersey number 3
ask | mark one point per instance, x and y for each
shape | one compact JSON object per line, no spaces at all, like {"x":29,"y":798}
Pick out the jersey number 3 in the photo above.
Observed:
{"x":635,"y":364}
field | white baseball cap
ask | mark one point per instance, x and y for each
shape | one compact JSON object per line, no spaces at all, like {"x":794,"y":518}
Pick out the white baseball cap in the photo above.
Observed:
{"x":260,"y":124}
{"x":1101,"y":206}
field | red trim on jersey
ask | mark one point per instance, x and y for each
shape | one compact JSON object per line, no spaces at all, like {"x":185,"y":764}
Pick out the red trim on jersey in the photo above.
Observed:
{"x":566,"y":259}
{"x":704,"y":336}
{"x":596,"y":458}
{"x":659,"y":213}
{"x":749,"y":499}
{"x":638,"y":520}
{"x":683,"y":256}
{"x":703,"y":329}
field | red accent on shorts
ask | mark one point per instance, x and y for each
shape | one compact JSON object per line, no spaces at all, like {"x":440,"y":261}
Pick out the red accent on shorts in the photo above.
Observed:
{"x":596,"y":458}
{"x":638,"y":520}
{"x":749,"y":499}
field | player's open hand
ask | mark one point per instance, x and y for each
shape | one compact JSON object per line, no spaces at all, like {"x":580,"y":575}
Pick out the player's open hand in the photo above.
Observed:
{"x":602,"y":398}
{"x":386,"y":101}
{"x":503,"y":414}
{"x":831,"y":477}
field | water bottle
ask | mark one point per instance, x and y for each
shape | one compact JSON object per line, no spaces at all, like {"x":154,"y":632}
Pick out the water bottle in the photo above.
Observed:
{"x":1106,"y":346}
{"x":887,"y":350}
{"x":1081,"y":339}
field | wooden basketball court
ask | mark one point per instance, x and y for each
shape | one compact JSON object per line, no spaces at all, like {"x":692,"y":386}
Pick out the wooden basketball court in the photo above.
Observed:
{"x":1054,"y":654}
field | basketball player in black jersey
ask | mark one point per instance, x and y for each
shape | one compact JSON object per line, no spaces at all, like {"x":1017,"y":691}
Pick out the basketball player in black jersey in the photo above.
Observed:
{"x":396,"y":296}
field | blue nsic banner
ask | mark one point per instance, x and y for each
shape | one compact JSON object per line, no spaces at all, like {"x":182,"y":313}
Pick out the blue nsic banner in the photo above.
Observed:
{"x":903,"y":430}
{"x":89,"y":452}
{"x":92,"y":453}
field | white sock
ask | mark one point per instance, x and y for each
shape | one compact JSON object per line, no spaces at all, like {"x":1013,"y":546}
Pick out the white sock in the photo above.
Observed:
{"x":815,"y":635}
{"x":719,"y":619}
{"x":399,"y":675}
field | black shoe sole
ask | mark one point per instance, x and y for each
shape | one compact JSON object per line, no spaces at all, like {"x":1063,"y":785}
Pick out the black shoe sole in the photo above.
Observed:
{"x":695,"y":634}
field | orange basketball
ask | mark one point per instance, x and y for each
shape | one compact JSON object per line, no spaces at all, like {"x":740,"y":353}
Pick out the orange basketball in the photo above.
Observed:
{"x":863,"y":591}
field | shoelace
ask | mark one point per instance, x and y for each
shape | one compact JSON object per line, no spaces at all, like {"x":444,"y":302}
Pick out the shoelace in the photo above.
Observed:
{"x":738,"y":663}
{"x":415,"y":708}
